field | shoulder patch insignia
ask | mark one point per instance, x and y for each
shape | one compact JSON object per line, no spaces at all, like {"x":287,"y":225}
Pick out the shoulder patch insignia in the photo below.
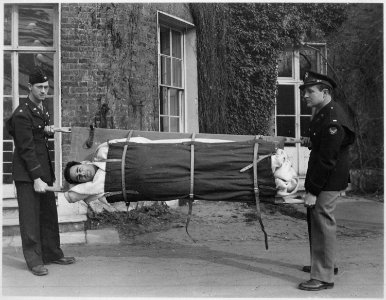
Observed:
{"x":333,"y":130}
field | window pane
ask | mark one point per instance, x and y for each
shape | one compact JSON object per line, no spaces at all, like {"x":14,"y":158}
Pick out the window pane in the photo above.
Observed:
{"x":286,"y":100}
{"x":177,"y":72}
{"x":285,"y":126}
{"x":7,"y":88}
{"x":308,"y":61}
{"x":174,"y":124}
{"x":176,"y":44}
{"x":163,"y":101}
{"x":174,"y":103}
{"x":7,"y":24}
{"x":7,"y":112}
{"x":7,"y":178}
{"x":165,"y":70}
{"x":27,"y":62}
{"x":304,"y":125}
{"x":165,"y":40}
{"x":36,"y":25}
{"x":164,"y":124}
{"x":7,"y":161}
{"x":285,"y":64}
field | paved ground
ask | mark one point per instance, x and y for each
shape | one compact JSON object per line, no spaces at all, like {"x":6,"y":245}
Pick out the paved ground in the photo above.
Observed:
{"x":227,"y":260}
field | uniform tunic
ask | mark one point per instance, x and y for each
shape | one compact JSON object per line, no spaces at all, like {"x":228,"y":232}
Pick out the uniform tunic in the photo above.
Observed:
{"x":328,"y":171}
{"x":330,"y":133}
{"x":38,"y":217}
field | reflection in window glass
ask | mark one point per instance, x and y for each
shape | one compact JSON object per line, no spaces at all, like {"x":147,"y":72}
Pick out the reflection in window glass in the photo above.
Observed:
{"x":7,"y":24}
{"x":163,"y":101}
{"x":27,"y":62}
{"x":36,"y":25}
{"x":285,"y":126}
{"x":174,"y":103}
{"x":285,"y":64}
{"x":7,"y":87}
{"x":176,"y":44}
{"x":164,"y":124}
{"x":286,"y":100}
{"x":177,"y":72}
{"x":174,"y":124}
{"x":165,"y":70}
{"x":165,"y":40}
{"x":308,"y":61}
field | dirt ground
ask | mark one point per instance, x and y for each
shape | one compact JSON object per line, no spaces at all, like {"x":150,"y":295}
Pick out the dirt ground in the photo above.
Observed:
{"x":156,"y":258}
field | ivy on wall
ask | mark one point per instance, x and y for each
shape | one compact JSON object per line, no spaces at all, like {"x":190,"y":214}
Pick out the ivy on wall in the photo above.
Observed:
{"x":237,"y":51}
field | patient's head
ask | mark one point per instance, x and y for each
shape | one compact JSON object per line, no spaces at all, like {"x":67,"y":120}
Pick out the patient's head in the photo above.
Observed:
{"x":76,"y":172}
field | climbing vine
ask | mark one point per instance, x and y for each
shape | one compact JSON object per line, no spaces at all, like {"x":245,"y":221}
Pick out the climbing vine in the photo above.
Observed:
{"x":237,"y":51}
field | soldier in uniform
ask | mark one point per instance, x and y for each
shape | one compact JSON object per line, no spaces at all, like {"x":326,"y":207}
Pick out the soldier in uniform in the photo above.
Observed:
{"x":32,"y":172}
{"x":331,"y":133}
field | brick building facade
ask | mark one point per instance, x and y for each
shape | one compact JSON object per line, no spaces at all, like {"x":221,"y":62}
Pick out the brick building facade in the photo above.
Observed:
{"x":113,"y":65}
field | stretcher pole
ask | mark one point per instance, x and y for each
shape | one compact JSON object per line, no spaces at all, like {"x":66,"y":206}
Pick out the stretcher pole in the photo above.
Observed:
{"x":58,"y":189}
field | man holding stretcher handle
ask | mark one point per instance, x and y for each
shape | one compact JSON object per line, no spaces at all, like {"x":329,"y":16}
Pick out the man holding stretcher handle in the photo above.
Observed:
{"x":33,"y":173}
{"x":331,"y":134}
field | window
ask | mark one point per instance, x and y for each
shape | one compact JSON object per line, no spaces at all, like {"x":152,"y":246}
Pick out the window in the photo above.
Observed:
{"x":30,"y":39}
{"x":292,"y":114}
{"x":293,"y":117}
{"x":171,"y":78}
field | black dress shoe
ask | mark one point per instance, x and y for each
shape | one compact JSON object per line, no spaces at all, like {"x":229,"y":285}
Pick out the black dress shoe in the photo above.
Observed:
{"x":315,"y":285}
{"x":39,"y":270}
{"x":307,"y":269}
{"x":64,"y":261}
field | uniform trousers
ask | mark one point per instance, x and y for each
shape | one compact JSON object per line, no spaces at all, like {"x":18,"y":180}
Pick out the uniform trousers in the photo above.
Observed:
{"x":39,"y":229}
{"x":323,"y":236}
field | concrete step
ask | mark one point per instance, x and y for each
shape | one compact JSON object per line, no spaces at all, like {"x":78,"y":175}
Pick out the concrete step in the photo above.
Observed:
{"x":66,"y":224}
{"x":96,"y":237}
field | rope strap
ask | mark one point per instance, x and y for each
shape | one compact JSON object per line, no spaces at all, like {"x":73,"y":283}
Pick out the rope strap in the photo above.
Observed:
{"x":191,"y":194}
{"x":256,"y":190}
{"x":123,"y":169}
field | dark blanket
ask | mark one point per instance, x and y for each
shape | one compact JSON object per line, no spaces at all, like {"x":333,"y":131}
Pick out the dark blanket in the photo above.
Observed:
{"x":161,"y":172}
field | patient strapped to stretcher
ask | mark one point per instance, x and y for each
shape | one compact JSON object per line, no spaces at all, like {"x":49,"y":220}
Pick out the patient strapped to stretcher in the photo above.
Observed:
{"x":160,"y":170}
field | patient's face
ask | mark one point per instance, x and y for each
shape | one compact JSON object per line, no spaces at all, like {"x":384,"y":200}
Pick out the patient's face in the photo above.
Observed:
{"x":82,"y":173}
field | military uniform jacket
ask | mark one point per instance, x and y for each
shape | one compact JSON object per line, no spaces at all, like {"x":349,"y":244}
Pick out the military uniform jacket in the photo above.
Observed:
{"x":330,"y":133}
{"x":31,"y":158}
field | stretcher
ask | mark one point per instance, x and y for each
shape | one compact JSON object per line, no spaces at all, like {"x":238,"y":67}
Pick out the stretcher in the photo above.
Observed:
{"x":237,"y":168}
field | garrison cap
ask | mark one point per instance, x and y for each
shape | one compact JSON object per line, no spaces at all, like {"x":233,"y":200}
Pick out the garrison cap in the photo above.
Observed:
{"x":37,"y":76}
{"x":312,"y":78}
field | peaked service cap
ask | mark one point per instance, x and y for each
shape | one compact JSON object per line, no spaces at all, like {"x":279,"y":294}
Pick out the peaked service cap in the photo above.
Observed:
{"x":37,"y":76}
{"x":312,"y":78}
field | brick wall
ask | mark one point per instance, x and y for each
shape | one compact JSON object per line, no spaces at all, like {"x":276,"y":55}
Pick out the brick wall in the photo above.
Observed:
{"x":109,"y":59}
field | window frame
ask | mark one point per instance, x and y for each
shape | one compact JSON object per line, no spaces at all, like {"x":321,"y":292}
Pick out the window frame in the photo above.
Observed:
{"x":296,"y":81}
{"x":15,"y":51}
{"x":173,"y":24}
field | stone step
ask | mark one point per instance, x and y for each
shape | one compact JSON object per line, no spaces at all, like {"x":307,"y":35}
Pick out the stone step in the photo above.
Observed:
{"x":66,"y":224}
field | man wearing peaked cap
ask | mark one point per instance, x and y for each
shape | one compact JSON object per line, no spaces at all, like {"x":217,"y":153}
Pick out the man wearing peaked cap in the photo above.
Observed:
{"x":32,"y":172}
{"x":330,"y":134}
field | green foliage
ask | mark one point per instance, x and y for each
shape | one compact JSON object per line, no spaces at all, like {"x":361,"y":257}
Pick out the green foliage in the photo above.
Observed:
{"x":356,"y":55}
{"x":237,"y":51}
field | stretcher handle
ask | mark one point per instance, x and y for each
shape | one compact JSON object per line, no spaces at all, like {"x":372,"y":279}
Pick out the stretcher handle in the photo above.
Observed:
{"x":54,"y":189}
{"x":62,"y":129}
{"x":290,"y":140}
